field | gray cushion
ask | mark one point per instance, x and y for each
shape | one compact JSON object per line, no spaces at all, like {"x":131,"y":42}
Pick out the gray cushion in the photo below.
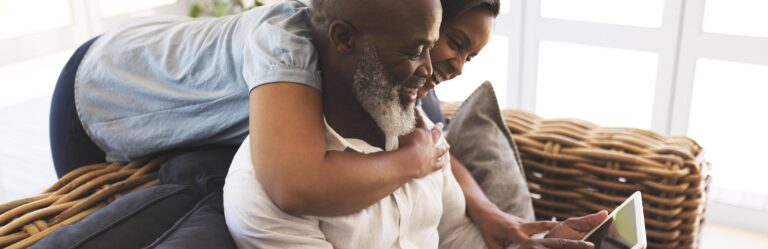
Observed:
{"x":480,"y":140}
{"x":203,"y":227}
{"x":132,"y":221}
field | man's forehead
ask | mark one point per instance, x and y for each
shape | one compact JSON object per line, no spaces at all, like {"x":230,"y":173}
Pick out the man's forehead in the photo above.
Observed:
{"x":422,"y":29}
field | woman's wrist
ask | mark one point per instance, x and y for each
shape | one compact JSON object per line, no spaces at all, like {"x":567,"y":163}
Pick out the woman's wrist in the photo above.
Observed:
{"x":479,"y":209}
{"x":409,"y":155}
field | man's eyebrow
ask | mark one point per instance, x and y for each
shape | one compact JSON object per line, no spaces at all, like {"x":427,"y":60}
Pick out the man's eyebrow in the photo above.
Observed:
{"x":425,"y":41}
{"x":428,"y":42}
{"x":422,"y":42}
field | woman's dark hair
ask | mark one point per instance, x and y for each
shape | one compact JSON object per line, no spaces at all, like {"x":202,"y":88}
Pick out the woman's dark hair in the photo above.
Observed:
{"x":454,"y":8}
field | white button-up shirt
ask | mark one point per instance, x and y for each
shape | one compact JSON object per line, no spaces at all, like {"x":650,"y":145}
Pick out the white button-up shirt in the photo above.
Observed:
{"x":429,"y":212}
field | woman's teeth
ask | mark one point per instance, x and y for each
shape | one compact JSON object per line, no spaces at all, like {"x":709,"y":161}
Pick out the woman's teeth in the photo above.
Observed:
{"x":436,"y":77}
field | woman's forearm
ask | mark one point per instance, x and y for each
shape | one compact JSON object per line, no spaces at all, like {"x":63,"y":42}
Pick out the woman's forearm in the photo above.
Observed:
{"x":344,"y":183}
{"x":477,"y":202}
{"x":289,"y":156}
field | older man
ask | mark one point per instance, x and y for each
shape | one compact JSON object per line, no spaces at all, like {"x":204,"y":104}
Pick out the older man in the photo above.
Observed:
{"x":374,"y":57}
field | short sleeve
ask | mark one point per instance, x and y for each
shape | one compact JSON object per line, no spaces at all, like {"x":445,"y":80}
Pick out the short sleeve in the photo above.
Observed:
{"x":279,"y":48}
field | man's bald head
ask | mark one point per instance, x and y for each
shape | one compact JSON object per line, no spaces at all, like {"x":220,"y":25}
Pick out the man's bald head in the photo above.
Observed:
{"x":378,"y":52}
{"x":375,"y":15}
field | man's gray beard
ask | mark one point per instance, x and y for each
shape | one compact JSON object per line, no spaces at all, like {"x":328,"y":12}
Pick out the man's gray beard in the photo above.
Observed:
{"x":380,"y":96}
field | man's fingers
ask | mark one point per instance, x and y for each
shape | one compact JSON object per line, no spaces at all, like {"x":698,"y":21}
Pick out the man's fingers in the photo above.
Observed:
{"x":586,"y":223}
{"x":440,"y":159}
{"x":530,"y":228}
{"x":566,"y":244}
{"x":437,"y":131}
{"x":419,"y":119}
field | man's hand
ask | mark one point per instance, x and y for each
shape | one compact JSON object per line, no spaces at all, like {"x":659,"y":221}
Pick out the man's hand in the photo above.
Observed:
{"x":577,"y":228}
{"x":499,"y":228}
{"x":424,"y":143}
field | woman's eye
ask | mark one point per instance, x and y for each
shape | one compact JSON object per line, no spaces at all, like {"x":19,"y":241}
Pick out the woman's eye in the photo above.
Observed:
{"x":456,"y":44}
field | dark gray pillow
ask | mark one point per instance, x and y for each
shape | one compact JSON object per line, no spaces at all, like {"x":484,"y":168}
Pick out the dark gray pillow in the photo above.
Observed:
{"x":481,"y":141}
{"x":132,"y":221}
{"x":203,"y":227}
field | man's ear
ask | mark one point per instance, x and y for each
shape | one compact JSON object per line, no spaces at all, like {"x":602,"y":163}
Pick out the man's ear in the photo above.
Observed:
{"x":342,"y":36}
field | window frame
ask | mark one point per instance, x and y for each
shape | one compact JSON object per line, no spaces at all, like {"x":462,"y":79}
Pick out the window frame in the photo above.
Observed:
{"x":679,"y":42}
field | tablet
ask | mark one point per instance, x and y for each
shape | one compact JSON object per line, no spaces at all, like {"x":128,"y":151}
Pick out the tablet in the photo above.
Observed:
{"x":623,"y":229}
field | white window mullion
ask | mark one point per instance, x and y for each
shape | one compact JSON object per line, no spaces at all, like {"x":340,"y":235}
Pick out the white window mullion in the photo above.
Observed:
{"x":530,"y":55}
{"x":745,"y":49}
{"x":669,"y":51}
{"x":686,"y":68}
{"x":600,"y":34}
{"x":512,"y":23}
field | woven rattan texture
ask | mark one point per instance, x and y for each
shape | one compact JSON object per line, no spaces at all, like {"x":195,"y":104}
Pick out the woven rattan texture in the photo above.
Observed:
{"x":75,"y":196}
{"x":575,"y":168}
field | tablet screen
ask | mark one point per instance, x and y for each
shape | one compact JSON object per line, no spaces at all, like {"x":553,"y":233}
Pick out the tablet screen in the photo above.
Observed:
{"x":621,"y":230}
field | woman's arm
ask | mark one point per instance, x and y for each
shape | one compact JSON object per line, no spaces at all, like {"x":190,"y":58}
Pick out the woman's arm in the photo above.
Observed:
{"x":496,"y":226}
{"x":289,"y":156}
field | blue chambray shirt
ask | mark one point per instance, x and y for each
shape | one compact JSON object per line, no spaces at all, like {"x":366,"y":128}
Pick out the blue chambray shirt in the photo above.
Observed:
{"x":161,"y":83}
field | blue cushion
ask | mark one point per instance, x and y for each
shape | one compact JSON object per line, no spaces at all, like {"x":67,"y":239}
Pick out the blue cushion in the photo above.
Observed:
{"x":201,"y":169}
{"x":431,"y":106}
{"x":132,"y":221}
{"x":203,"y":227}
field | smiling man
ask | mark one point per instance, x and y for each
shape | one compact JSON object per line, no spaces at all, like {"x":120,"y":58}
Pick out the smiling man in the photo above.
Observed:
{"x":374,"y":58}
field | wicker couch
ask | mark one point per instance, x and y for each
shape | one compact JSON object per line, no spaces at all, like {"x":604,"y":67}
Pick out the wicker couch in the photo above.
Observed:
{"x":573,"y":168}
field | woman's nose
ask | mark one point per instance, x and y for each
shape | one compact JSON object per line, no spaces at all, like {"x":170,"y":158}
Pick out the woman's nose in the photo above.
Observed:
{"x":457,"y":66}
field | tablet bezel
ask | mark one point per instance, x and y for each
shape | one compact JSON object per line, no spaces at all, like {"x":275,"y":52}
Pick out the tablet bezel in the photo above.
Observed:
{"x":640,"y":223}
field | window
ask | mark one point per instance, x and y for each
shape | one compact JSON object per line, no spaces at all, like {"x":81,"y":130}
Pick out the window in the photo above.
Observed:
{"x":36,"y":40}
{"x":644,"y":13}
{"x":736,"y":17}
{"x":17,"y":84}
{"x":728,"y":118}
{"x":111,"y":8}
{"x":16,"y":20}
{"x":608,"y":86}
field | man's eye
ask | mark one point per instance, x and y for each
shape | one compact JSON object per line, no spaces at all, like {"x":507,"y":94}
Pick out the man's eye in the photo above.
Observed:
{"x":414,"y":57}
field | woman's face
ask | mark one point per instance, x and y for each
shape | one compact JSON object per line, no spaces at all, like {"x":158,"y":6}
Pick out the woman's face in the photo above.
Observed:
{"x":460,"y":40}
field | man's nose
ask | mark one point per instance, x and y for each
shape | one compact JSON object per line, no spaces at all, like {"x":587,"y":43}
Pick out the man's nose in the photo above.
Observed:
{"x":425,"y":69}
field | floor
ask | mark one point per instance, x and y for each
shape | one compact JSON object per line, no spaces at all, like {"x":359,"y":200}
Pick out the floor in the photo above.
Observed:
{"x":26,"y":167}
{"x":718,"y":236}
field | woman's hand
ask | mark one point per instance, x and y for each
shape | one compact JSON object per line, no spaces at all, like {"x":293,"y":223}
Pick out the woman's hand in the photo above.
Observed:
{"x":578,"y":227}
{"x":424,"y":142}
{"x":499,"y":228}
{"x":553,"y":243}
{"x":567,"y":234}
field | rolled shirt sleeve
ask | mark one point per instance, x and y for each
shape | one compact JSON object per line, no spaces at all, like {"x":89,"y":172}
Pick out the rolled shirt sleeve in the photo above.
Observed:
{"x":166,"y":82}
{"x":281,"y":50}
